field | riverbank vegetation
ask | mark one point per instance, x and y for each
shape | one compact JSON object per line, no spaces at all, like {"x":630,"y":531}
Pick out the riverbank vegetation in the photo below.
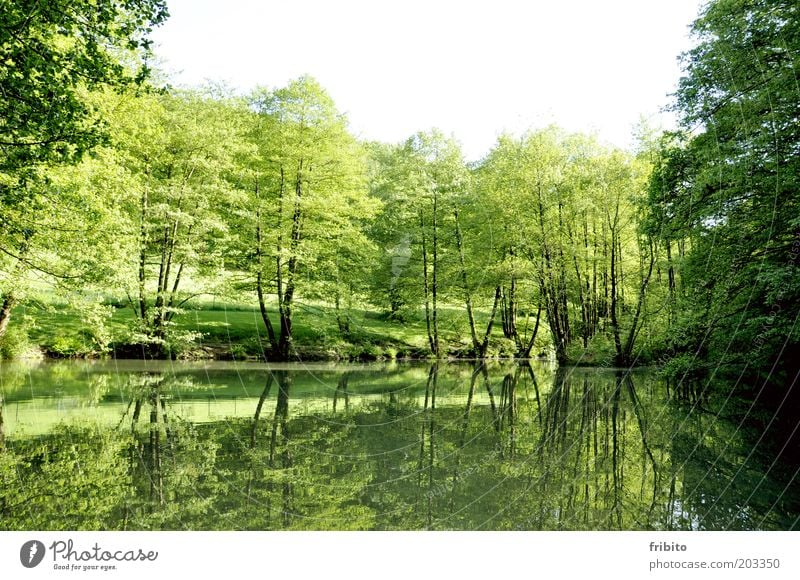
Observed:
{"x":146,"y":221}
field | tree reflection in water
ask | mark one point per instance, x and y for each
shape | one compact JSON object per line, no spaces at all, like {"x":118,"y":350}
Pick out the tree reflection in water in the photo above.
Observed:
{"x":444,"y":446}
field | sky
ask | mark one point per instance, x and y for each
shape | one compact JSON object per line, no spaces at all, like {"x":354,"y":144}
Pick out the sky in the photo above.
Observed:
{"x":471,"y":69}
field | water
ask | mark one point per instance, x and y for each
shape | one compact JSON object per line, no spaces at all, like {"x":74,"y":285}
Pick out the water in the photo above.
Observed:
{"x":162,"y":445}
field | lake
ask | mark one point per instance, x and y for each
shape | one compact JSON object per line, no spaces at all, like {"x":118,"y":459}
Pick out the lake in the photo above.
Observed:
{"x":141,"y":445}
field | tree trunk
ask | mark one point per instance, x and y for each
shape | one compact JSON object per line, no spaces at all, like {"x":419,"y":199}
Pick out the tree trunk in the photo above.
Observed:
{"x":467,"y":294}
{"x":485,"y":344}
{"x":435,"y":287}
{"x":634,"y":330}
{"x":143,"y":257}
{"x":431,"y":341}
{"x":527,"y":352}
{"x":549,"y":289}
{"x":614,"y":322}
{"x":285,"y":306}
{"x":262,"y":306}
{"x":5,"y":312}
{"x":671,"y":319}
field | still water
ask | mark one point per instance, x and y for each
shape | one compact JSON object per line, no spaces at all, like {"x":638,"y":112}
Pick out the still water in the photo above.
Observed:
{"x":143,"y":445}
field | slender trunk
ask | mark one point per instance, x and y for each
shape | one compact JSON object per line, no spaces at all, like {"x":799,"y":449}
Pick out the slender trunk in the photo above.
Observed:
{"x":143,"y":256}
{"x":158,"y":316}
{"x":262,"y":306}
{"x":431,"y":341}
{"x":467,"y":294}
{"x":589,"y":297}
{"x":435,"y":287}
{"x":5,"y":312}
{"x":634,"y":330}
{"x":171,"y":305}
{"x":671,"y":275}
{"x":582,"y":298}
{"x":509,"y":306}
{"x":621,"y":275}
{"x":614,"y":322}
{"x":562,"y":283}
{"x":527,"y":352}
{"x":605,"y":276}
{"x":485,"y":344}
{"x":167,"y":304}
{"x":548,"y":288}
{"x":285,"y":341}
{"x":173,"y":293}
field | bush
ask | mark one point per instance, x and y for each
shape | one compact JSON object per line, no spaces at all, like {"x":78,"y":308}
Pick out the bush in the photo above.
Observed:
{"x":96,"y":332}
{"x":501,"y":348}
{"x":680,"y":367}
{"x":15,"y":342}
{"x":68,"y":346}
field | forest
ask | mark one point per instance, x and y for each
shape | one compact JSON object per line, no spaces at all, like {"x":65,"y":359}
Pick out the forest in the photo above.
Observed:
{"x":144,"y":221}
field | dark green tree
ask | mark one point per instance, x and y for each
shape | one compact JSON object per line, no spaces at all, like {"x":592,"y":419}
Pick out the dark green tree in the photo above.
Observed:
{"x":729,"y":196}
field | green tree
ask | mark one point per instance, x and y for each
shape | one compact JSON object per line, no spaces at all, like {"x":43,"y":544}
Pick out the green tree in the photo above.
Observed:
{"x":178,"y":150}
{"x":729,"y":195}
{"x":51,"y":52}
{"x":306,"y":216}
{"x":422,"y":182}
{"x":63,"y":231}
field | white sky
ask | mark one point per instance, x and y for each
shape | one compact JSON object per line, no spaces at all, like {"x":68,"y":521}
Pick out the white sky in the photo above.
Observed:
{"x":472,"y":69}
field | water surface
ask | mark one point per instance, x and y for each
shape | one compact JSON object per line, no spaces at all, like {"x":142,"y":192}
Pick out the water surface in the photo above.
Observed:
{"x":166,"y":445}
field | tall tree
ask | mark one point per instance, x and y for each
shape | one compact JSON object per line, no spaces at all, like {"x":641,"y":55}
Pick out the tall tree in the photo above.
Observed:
{"x":732,"y":191}
{"x":179,"y":150}
{"x":52,"y":53}
{"x":308,"y":205}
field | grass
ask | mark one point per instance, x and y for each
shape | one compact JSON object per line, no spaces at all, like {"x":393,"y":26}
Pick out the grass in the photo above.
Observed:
{"x":226,"y":330}
{"x":236,"y":330}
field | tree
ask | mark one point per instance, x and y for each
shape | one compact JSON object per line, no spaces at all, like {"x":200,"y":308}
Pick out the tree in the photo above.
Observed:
{"x":308,"y":205}
{"x":62,"y":228}
{"x":178,"y":150}
{"x":423,"y":182}
{"x":51,"y":52}
{"x":731,"y":191}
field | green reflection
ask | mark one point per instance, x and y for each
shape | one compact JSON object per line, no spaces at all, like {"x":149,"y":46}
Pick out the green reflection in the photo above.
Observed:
{"x":400,"y":446}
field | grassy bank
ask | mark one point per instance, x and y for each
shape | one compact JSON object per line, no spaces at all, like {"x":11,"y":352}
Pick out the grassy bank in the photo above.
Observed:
{"x":236,"y":331}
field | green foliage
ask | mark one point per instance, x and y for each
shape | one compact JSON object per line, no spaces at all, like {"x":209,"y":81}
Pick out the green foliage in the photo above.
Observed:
{"x":727,"y":197}
{"x":15,"y":343}
{"x":51,"y":52}
{"x":51,"y":485}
